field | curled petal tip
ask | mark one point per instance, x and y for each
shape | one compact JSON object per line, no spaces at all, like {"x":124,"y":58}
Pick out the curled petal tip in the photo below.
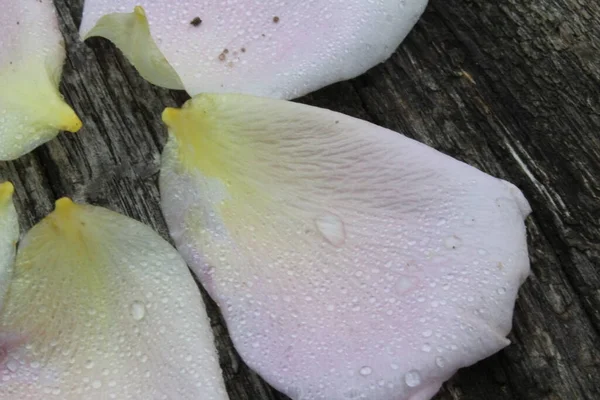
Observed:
{"x":6,"y":192}
{"x":64,"y":205}
{"x":139,"y":10}
{"x":170,"y":116}
{"x":70,"y":122}
{"x":152,"y":42}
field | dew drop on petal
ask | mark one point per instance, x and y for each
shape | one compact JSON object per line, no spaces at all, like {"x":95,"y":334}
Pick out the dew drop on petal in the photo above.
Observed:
{"x":12,"y":366}
{"x":137,"y":310}
{"x":332,"y":228}
{"x":412,"y":378}
{"x":405,"y":284}
{"x":366,"y":371}
{"x":440,"y":362}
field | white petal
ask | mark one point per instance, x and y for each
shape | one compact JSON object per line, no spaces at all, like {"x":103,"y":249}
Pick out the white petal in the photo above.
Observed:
{"x":9,"y":235}
{"x":100,"y":307}
{"x":131,"y":33}
{"x":32,"y":111}
{"x":349,"y":261}
{"x":280,"y":49}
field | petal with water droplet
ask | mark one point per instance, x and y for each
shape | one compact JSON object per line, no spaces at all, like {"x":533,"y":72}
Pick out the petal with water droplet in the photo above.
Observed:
{"x":281,"y":49}
{"x":9,"y":235}
{"x":101,"y":307}
{"x":338,"y":250}
{"x":32,"y":111}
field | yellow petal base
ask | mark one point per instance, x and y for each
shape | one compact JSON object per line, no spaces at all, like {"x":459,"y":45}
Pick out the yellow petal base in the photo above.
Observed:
{"x":6,"y":192}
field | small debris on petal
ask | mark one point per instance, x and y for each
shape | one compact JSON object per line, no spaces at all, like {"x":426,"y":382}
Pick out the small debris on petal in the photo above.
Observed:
{"x":196,"y":22}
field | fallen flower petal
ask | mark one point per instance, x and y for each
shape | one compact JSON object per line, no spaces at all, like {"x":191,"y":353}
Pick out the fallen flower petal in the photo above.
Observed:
{"x":9,"y":235}
{"x":101,"y":307}
{"x":281,"y":49}
{"x":349,"y":261}
{"x":32,"y":111}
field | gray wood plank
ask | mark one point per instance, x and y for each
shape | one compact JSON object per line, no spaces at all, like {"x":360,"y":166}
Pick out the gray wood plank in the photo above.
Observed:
{"x":511,"y":87}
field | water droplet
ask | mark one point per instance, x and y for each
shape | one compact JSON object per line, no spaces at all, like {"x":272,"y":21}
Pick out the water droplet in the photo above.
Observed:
{"x":501,"y":291}
{"x":366,"y":371}
{"x":452,"y":242}
{"x":332,"y":228}
{"x":137,"y":310}
{"x":440,"y":362}
{"x":426,"y":348}
{"x":412,"y":378}
{"x":406,"y":283}
{"x":394,"y":366}
{"x":427,"y":333}
{"x":12,"y":365}
{"x":96,"y":384}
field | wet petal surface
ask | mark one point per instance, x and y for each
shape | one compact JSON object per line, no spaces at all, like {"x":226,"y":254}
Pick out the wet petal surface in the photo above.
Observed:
{"x":9,"y":235}
{"x":101,"y":307}
{"x":32,"y":111}
{"x":281,"y":49}
{"x":349,"y":261}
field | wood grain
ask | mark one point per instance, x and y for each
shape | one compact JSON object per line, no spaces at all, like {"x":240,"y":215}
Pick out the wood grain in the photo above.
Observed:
{"x":511,"y":87}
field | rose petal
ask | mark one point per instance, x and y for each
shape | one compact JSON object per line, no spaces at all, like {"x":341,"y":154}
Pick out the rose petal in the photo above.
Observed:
{"x":280,"y":49}
{"x":9,"y":235}
{"x":349,"y":261}
{"x":100,"y":307}
{"x":131,"y":33}
{"x":32,"y":111}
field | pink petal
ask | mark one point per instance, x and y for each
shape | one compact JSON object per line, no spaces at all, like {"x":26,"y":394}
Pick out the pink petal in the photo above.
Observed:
{"x":280,"y":49}
{"x":349,"y":261}
{"x":32,"y":111}
{"x":100,"y":307}
{"x":9,"y":235}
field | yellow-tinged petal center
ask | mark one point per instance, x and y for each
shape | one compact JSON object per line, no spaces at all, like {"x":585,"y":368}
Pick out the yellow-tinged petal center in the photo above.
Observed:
{"x":212,"y":145}
{"x":29,"y":90}
{"x":225,"y":153}
{"x":204,"y":143}
{"x":60,"y":278}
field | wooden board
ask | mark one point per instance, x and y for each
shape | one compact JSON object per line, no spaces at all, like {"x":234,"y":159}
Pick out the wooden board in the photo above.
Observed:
{"x":511,"y":87}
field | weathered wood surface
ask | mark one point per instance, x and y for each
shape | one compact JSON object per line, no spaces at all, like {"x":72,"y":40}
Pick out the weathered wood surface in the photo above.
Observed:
{"x":511,"y":87}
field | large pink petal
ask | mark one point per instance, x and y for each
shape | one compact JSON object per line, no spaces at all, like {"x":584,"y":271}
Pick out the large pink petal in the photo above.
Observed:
{"x":350,"y":262}
{"x":273,"y":48}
